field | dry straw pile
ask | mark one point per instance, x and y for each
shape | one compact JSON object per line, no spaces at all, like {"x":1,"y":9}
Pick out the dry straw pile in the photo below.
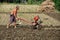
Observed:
{"x":47,"y":6}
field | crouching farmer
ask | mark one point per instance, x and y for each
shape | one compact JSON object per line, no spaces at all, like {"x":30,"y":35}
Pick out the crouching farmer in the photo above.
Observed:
{"x":37,"y":22}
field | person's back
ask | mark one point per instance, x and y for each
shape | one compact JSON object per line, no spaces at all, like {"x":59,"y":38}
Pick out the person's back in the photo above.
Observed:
{"x":14,"y":12}
{"x":36,"y":18}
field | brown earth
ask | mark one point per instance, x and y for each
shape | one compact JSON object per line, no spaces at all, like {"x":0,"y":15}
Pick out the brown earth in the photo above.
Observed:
{"x":26,"y":33}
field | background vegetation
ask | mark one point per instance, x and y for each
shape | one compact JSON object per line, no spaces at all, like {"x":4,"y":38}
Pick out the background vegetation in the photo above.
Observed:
{"x":23,"y":1}
{"x":57,"y":4}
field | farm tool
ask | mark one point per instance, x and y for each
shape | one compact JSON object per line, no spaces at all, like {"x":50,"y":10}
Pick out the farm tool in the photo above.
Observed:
{"x":33,"y":24}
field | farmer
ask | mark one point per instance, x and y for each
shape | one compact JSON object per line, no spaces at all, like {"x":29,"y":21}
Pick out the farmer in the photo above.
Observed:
{"x":13,"y":17}
{"x":36,"y":21}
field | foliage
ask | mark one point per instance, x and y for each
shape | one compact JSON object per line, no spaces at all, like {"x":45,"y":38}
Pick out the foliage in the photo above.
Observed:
{"x":23,"y":1}
{"x":57,"y":4}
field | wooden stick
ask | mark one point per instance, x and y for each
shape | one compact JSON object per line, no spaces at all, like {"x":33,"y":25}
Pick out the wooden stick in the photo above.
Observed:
{"x":25,"y":20}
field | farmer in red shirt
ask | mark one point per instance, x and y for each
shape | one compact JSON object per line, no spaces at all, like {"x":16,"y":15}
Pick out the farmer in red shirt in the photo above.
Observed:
{"x":13,"y":17}
{"x":36,"y":18}
{"x":37,"y":22}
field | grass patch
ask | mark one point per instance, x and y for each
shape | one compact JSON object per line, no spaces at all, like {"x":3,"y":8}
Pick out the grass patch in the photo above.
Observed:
{"x":23,"y":8}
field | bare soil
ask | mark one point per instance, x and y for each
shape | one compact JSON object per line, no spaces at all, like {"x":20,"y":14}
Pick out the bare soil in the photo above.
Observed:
{"x":26,"y":33}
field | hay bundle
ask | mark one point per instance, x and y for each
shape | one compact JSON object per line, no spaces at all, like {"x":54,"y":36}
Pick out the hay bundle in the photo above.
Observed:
{"x":47,"y":6}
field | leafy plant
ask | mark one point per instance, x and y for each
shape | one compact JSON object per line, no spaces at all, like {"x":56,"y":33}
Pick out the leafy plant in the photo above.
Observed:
{"x":57,"y":4}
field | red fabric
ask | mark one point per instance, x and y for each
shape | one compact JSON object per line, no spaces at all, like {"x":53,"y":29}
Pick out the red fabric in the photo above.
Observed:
{"x":36,"y":18}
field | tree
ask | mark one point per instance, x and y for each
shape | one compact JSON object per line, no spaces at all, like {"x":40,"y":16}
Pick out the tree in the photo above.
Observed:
{"x":57,"y":4}
{"x":29,"y":1}
{"x":1,"y":1}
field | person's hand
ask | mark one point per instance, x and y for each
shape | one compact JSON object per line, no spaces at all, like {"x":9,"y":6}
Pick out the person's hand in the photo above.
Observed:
{"x":17,"y":18}
{"x":33,"y":23}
